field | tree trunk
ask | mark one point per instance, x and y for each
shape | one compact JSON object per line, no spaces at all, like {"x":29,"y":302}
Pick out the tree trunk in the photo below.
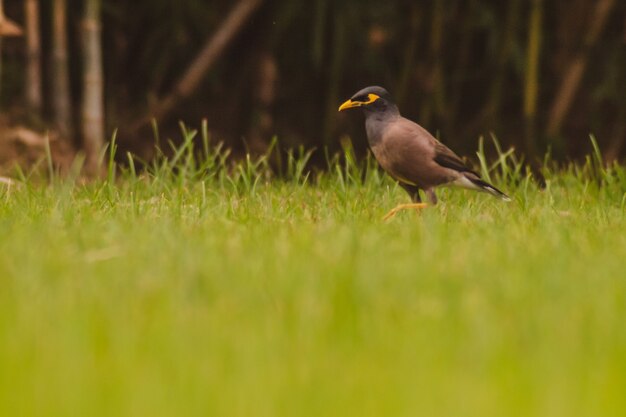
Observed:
{"x":264,"y":94}
{"x":503,"y":57}
{"x":214,"y":46}
{"x":576,"y":68}
{"x":32,"y":89}
{"x":60,"y":82}
{"x":93,"y":103}
{"x":1,"y":35}
{"x":531,"y":85}
{"x":7,"y":28}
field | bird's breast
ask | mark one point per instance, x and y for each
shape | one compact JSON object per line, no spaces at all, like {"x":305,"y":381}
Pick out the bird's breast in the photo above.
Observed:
{"x":383,"y":156}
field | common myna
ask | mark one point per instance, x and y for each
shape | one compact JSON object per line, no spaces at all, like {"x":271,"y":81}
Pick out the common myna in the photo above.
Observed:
{"x":410,"y":154}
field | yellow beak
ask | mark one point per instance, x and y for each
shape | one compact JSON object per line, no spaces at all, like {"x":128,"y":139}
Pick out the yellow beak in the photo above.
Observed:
{"x":349,"y":103}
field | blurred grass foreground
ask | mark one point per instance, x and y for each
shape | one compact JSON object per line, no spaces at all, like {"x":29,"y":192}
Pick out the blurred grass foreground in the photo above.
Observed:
{"x":198,"y":287}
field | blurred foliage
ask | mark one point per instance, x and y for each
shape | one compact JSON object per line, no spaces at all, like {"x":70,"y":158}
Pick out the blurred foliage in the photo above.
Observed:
{"x":459,"y":67}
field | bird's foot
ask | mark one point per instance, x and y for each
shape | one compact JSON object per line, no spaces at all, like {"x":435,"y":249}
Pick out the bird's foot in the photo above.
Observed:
{"x":400,"y":207}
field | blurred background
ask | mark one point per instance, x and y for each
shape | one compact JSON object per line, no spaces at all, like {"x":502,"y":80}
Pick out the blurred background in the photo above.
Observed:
{"x":541,"y":75}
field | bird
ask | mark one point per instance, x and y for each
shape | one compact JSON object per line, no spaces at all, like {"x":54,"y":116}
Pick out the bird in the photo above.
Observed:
{"x":410,"y":154}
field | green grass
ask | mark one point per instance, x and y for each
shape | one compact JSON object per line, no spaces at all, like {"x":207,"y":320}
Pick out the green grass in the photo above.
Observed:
{"x":204,"y":289}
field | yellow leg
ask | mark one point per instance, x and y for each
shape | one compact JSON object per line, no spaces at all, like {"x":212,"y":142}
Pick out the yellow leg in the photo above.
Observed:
{"x":396,"y":209}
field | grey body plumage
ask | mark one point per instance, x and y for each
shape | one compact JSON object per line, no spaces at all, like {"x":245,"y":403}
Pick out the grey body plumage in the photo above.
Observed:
{"x":410,"y":154}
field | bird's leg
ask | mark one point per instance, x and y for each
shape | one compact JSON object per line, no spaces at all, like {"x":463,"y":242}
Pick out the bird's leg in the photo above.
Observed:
{"x":432,"y":197}
{"x":414,"y":193}
{"x":400,"y":207}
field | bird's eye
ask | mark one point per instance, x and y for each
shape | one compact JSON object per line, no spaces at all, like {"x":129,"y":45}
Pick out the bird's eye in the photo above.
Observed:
{"x":362,"y":98}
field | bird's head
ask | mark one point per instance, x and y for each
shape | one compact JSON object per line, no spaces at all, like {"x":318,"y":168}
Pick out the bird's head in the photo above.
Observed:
{"x":371,"y":99}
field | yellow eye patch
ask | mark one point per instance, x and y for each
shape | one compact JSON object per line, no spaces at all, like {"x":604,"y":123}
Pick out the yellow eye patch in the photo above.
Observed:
{"x":357,"y":102}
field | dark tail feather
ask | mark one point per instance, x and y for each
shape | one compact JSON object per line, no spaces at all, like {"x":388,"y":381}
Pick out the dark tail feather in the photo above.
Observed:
{"x":485,"y":186}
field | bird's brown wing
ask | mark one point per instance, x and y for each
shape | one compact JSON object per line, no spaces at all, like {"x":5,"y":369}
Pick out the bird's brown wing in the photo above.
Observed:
{"x":448,"y":159}
{"x":413,"y":156}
